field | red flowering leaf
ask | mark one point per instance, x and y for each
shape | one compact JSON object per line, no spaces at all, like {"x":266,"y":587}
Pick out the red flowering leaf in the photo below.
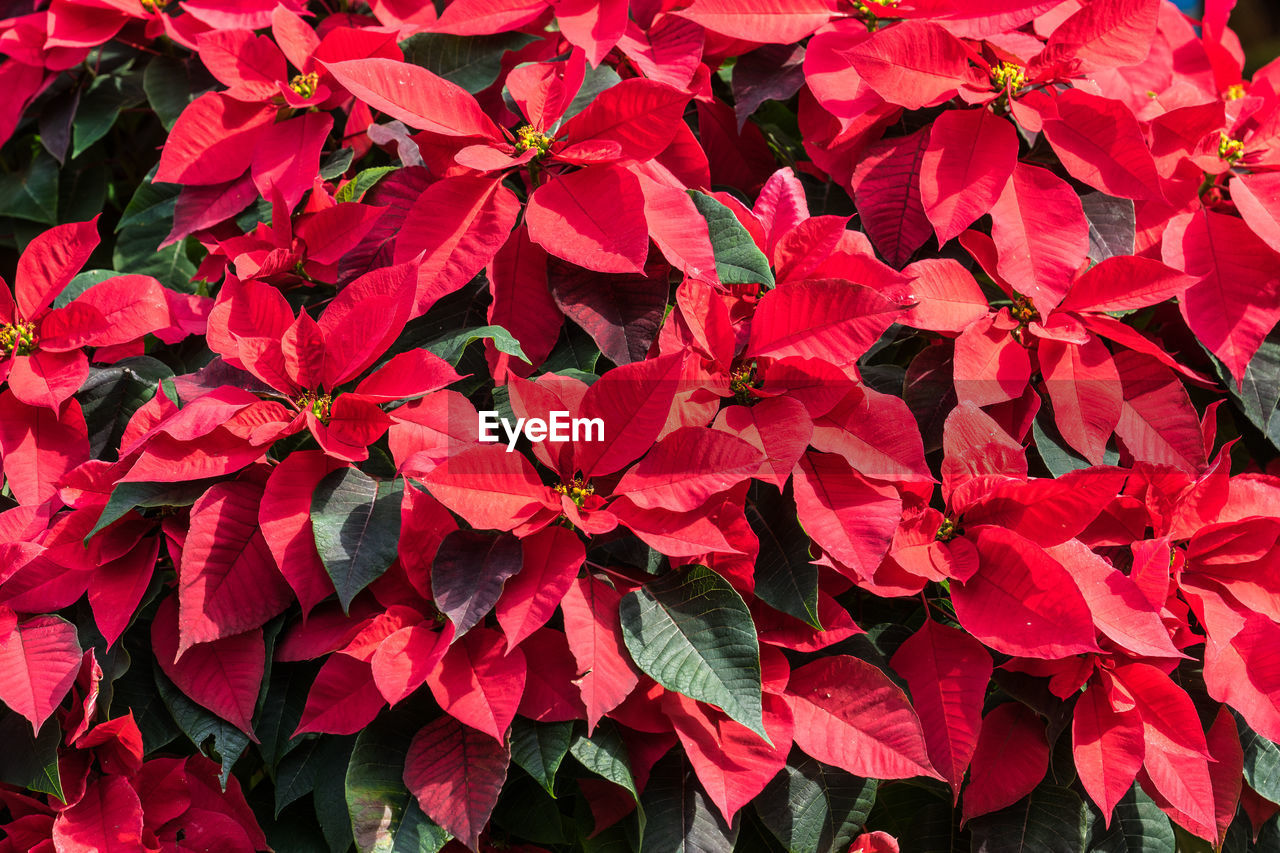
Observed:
{"x":687,"y":467}
{"x":489,"y":487}
{"x":1226,"y":770}
{"x":779,"y":427}
{"x":405,"y":658}
{"x":39,"y":659}
{"x":949,"y":298}
{"x":769,"y":21}
{"x":1124,"y":282}
{"x":116,"y":588}
{"x":967,"y":162}
{"x":888,"y":196}
{"x":213,"y":141}
{"x":1011,"y":759}
{"x":39,"y":446}
{"x":1107,"y":35}
{"x":343,"y":699}
{"x":829,"y":319}
{"x":550,"y":694}
{"x":415,"y":96}
{"x":107,"y":819}
{"x":479,"y":683}
{"x":224,"y":675}
{"x":1157,"y":422}
{"x":468,"y":573}
{"x":1041,"y":233}
{"x":640,"y":117}
{"x":850,"y":715}
{"x":947,"y":672}
{"x":227,"y":579}
{"x":550,"y":560}
{"x":593,"y":218}
{"x":633,"y":402}
{"x":912,"y":64}
{"x":876,"y":434}
{"x":606,"y":674}
{"x":1021,"y":601}
{"x":1084,"y":385}
{"x":456,"y":774}
{"x":851,"y":518}
{"x":48,"y":263}
{"x":1108,"y":746}
{"x":1100,"y":142}
{"x":1236,"y":301}
{"x":284,"y":519}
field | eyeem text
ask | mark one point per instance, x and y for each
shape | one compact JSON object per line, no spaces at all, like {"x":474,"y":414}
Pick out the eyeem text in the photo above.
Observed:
{"x":557,"y":427}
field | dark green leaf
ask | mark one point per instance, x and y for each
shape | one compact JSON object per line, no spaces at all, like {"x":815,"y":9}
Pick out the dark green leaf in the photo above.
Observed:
{"x":211,"y":734}
{"x":135,"y":691}
{"x":814,"y":808}
{"x":127,"y":496}
{"x":1138,"y":826}
{"x":1049,"y":820}
{"x":1059,"y":457}
{"x":920,"y":817}
{"x":538,"y":749}
{"x":99,"y":108}
{"x":472,"y":62}
{"x":605,"y":755}
{"x":356,"y":523}
{"x":738,"y":259}
{"x":170,"y":84}
{"x":596,"y":81}
{"x":32,"y":193}
{"x":150,"y":204}
{"x":111,"y":396}
{"x":786,"y":580}
{"x":679,"y":816}
{"x":1261,"y":763}
{"x":138,"y":251}
{"x":336,"y":164}
{"x":296,"y":775}
{"x":1260,"y":393}
{"x":450,"y":347}
{"x":329,"y":799}
{"x":282,"y":711}
{"x":692,"y":633}
{"x":30,"y":761}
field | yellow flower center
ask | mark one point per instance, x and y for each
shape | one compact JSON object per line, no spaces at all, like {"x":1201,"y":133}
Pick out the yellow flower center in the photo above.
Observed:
{"x":18,"y":338}
{"x":305,"y":84}
{"x":1230,"y":150}
{"x":947,"y":531}
{"x":529,"y":139}
{"x":318,"y":404}
{"x":153,"y":5}
{"x":1008,"y":75}
{"x":742,"y":380}
{"x":578,"y":490}
{"x":1234,"y":92}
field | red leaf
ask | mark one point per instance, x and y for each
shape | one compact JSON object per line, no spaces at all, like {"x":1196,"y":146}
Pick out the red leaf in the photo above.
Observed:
{"x":1046,"y":511}
{"x":1021,"y":601}
{"x":850,"y":715}
{"x":549,"y":692}
{"x":1105,"y":35}
{"x":912,"y":64}
{"x":769,"y":21}
{"x":116,"y":588}
{"x":223,"y":676}
{"x":489,"y":487}
{"x":1108,"y":746}
{"x":1226,"y":770}
{"x":549,"y":564}
{"x":967,"y":162}
{"x":213,"y":141}
{"x":39,"y":447}
{"x":633,"y":402}
{"x":622,"y":317}
{"x":1157,"y":422}
{"x":876,"y":434}
{"x":227,"y":579}
{"x":252,"y":66}
{"x":639,"y":116}
{"x":479,"y":683}
{"x":947,"y":672}
{"x":888,"y":195}
{"x":593,"y":218}
{"x":1236,"y":301}
{"x":49,"y":262}
{"x":343,"y":699}
{"x":1040,"y":230}
{"x":1011,"y":759}
{"x":284,"y":518}
{"x":456,"y":775}
{"x":39,"y":659}
{"x":107,"y":819}
{"x":1084,"y":386}
{"x":779,"y":427}
{"x":414,"y":95}
{"x":1100,"y":143}
{"x":606,"y":674}
{"x":851,"y":518}
{"x":1122,"y":283}
{"x":687,"y":467}
{"x":405,"y":658}
{"x":363,"y":320}
{"x":828,"y":319}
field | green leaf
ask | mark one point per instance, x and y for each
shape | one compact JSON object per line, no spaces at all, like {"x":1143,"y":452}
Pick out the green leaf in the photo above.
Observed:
{"x":811,"y":807}
{"x":921,"y":817}
{"x":605,"y":755}
{"x":738,"y":259}
{"x":296,"y":775}
{"x":355,"y":520}
{"x":691,"y":632}
{"x":472,"y":62}
{"x":137,"y":251}
{"x":576,"y":351}
{"x":170,"y":84}
{"x":1260,"y":393}
{"x":150,"y":204}
{"x":99,"y":108}
{"x":1138,"y":826}
{"x":596,"y":81}
{"x":450,"y":347}
{"x":111,"y":396}
{"x":1261,"y":762}
{"x":127,"y":496}
{"x":380,"y":806}
{"x":1059,"y":457}
{"x":211,"y":734}
{"x":281,"y":712}
{"x":680,"y":817}
{"x":786,"y":580}
{"x":135,"y":692}
{"x":336,"y":163}
{"x":354,"y":189}
{"x":1049,"y":820}
{"x":82,"y":282}
{"x":32,"y":193}
{"x":328,"y":801}
{"x":538,"y":749}
{"x":30,"y":760}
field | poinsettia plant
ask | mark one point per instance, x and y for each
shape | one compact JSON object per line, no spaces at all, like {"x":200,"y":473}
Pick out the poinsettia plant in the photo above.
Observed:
{"x":805,"y":426}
